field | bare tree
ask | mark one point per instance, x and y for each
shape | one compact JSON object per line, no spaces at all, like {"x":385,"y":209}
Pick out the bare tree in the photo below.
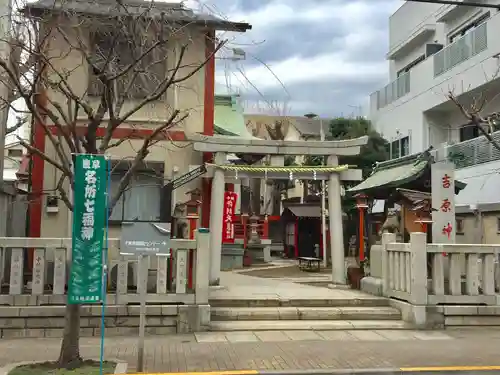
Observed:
{"x":486,"y":124}
{"x":133,"y":56}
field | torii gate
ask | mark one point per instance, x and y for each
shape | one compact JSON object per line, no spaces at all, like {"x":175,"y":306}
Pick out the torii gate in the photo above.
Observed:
{"x":333,"y":173}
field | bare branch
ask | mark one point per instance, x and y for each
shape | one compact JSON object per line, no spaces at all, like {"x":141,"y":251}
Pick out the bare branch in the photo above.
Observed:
{"x":142,"y":153}
{"x":475,"y":118}
{"x":20,"y":121}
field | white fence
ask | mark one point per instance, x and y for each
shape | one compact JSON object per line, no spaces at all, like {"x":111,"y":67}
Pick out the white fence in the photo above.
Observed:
{"x":433,"y":274}
{"x":393,"y":91}
{"x":474,"y":151}
{"x":181,"y":278}
{"x":472,"y":43}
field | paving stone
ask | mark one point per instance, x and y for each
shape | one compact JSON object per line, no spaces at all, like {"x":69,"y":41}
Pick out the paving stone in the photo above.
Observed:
{"x":378,"y":324}
{"x":429,"y":335}
{"x":271,"y":336}
{"x":241,"y":337}
{"x":397,"y":335}
{"x":210,"y":337}
{"x":367,"y":335}
{"x":302,"y":335}
{"x":336,"y":335}
{"x":176,"y":353}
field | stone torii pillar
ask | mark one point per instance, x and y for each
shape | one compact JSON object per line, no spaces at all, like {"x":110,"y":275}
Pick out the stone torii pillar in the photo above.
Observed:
{"x":335,"y":224}
{"x":216,"y":217}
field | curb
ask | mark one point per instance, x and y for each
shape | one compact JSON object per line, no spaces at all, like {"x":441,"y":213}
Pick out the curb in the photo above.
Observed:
{"x":120,"y":368}
{"x":465,"y":370}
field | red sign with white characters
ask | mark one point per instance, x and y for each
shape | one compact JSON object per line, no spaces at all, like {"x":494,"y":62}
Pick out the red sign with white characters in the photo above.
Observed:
{"x":227,"y":217}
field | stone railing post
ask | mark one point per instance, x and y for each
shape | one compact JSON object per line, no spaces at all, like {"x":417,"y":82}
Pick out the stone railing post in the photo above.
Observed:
{"x":202,"y":266}
{"x":387,"y":238}
{"x":418,"y":286}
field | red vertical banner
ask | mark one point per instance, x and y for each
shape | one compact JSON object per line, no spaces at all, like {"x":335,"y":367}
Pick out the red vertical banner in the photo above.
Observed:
{"x":227,"y":218}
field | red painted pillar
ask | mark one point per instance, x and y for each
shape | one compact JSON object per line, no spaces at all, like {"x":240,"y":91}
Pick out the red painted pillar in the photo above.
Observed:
{"x":361,"y":234}
{"x":37,"y":177}
{"x":265,"y":228}
{"x":192,"y":228}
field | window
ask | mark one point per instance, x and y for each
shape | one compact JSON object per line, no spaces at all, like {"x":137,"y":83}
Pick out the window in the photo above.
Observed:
{"x":459,"y":223}
{"x":411,"y":65}
{"x":138,"y":82}
{"x":395,"y":149}
{"x":140,"y":201}
{"x":405,"y":146}
{"x":400,"y":147}
{"x":498,"y":224}
{"x":468,"y":132}
{"x":457,"y":35}
{"x":15,"y":153}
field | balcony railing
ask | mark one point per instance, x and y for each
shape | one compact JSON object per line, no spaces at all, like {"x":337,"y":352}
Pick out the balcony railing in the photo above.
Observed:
{"x":462,"y":49}
{"x":474,"y":151}
{"x":394,"y":90}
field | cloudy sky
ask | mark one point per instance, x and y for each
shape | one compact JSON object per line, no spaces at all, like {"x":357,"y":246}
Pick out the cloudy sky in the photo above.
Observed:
{"x":328,"y":54}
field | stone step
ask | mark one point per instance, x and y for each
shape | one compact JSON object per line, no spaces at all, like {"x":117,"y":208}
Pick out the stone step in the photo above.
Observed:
{"x":295,"y":325}
{"x":304,"y":313}
{"x":471,"y":321}
{"x":368,"y":301}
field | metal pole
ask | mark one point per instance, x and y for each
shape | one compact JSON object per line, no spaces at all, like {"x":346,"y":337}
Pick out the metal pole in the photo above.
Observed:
{"x":143,"y":280}
{"x":323,"y":203}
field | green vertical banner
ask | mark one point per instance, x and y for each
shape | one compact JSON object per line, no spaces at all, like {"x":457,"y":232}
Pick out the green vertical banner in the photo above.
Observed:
{"x":89,"y":226}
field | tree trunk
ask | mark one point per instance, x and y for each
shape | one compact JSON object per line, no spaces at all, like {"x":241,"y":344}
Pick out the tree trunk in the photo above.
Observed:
{"x":69,"y":356}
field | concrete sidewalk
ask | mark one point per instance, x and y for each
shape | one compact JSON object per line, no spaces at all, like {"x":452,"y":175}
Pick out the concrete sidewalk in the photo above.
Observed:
{"x":372,"y":350}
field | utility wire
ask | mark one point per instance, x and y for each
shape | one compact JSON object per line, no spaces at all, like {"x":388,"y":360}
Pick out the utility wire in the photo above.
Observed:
{"x":462,"y":3}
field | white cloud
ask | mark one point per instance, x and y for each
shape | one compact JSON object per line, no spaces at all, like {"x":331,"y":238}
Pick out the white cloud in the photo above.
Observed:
{"x":351,"y":14}
{"x":331,"y":66}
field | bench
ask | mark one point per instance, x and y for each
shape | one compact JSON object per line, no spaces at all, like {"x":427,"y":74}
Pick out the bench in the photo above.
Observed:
{"x":309,"y":264}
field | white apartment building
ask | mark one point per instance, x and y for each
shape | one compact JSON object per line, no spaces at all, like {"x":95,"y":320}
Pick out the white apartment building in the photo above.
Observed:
{"x":435,"y":49}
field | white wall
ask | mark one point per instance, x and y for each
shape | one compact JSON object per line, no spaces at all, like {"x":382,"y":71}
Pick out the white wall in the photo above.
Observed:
{"x":483,"y":183}
{"x":427,"y":92}
{"x":409,"y":18}
{"x":404,"y":61}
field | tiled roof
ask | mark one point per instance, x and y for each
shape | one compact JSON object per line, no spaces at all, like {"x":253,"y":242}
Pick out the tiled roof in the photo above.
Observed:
{"x":173,"y":12}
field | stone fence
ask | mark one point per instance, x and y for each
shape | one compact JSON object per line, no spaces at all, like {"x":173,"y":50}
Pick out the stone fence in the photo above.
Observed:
{"x":436,"y":274}
{"x":32,"y":300}
{"x":422,"y":278}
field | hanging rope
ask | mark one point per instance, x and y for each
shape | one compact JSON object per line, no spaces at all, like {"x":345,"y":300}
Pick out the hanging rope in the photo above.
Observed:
{"x":289,"y":169}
